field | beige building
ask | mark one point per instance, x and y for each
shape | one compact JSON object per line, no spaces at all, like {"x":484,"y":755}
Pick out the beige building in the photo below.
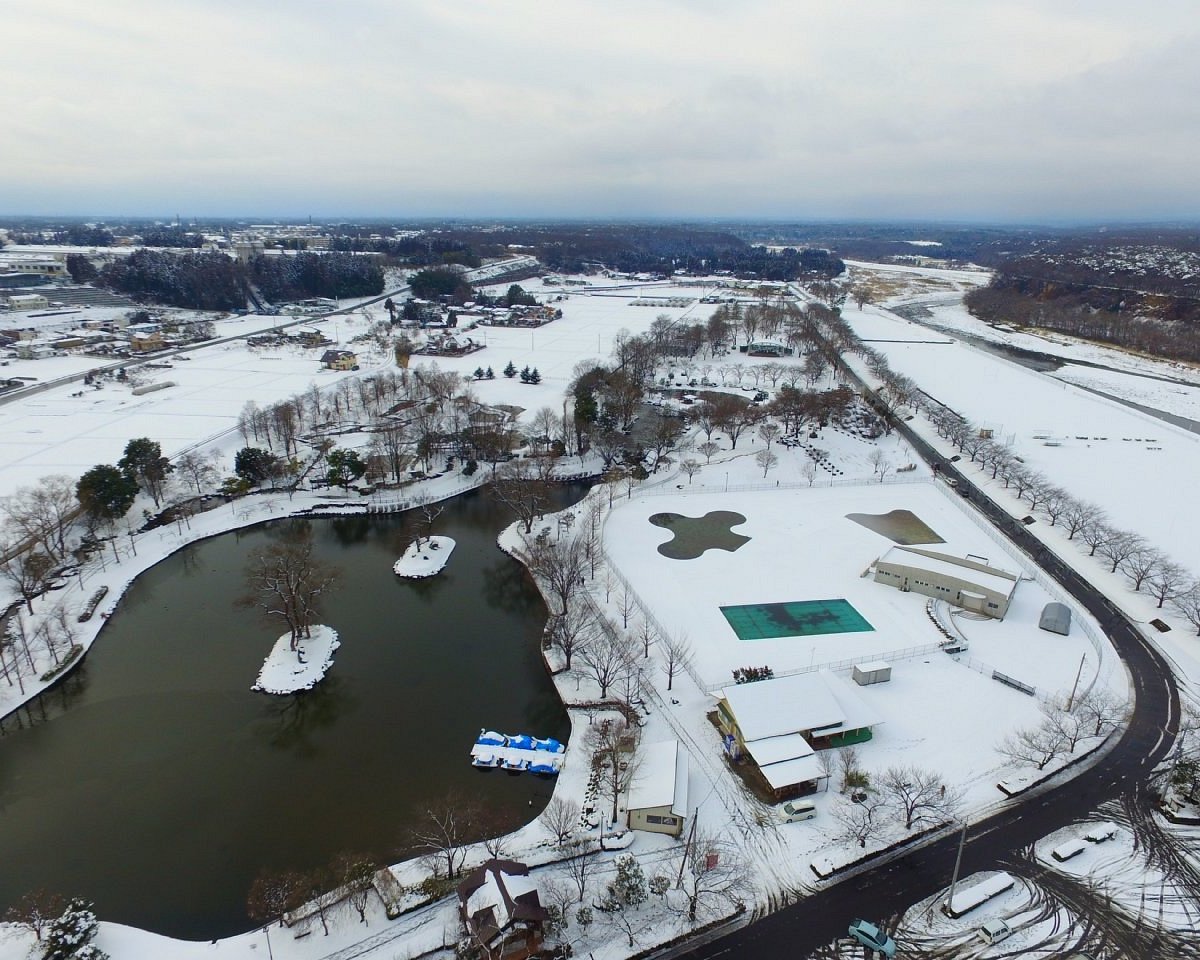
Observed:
{"x":27,"y":301}
{"x":966,"y":582}
{"x":658,"y":794}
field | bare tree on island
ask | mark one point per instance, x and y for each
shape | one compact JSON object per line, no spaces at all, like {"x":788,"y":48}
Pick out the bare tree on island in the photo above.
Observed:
{"x":287,"y":582}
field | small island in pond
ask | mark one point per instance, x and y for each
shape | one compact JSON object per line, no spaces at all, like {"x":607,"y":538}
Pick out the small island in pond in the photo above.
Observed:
{"x":425,"y":557}
{"x":287,"y":670}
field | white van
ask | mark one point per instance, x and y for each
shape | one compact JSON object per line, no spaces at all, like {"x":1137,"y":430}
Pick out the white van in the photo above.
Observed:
{"x":993,"y":931}
{"x":797,"y":810}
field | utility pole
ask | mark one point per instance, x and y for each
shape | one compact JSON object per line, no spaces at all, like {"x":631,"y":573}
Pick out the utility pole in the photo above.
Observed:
{"x":1071,"y":698}
{"x":687,"y":847}
{"x":962,"y":839}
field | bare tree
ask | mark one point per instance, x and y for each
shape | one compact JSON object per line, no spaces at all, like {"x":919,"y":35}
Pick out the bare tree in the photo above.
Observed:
{"x":919,"y":796}
{"x":1140,"y":565}
{"x":714,"y":876}
{"x":766,"y":459}
{"x":573,"y":631}
{"x":42,"y":515}
{"x":1102,"y":710}
{"x":524,"y":487}
{"x":36,"y":911}
{"x":1095,"y":533}
{"x":613,"y":744}
{"x":1167,"y":580}
{"x":29,"y":571}
{"x":690,"y":467}
{"x":880,"y":464}
{"x":560,"y":817}
{"x":1077,"y":515}
{"x":429,"y":511}
{"x":808,"y":470}
{"x":1119,"y":547}
{"x":708,"y":449}
{"x":198,"y":469}
{"x":677,"y":656}
{"x":274,"y":893}
{"x":559,"y":565}
{"x":1187,"y":603}
{"x":769,"y":432}
{"x":860,"y":818}
{"x":646,"y":636}
{"x":354,"y":874}
{"x":580,"y":865}
{"x":287,"y":582}
{"x":1037,"y":745}
{"x":444,"y":828}
{"x":605,"y":659}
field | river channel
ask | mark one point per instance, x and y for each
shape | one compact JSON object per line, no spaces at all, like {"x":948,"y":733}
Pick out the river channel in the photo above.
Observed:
{"x":155,"y":783}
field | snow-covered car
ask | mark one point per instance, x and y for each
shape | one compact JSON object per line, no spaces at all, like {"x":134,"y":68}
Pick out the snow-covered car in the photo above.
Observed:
{"x":871,"y":937}
{"x":795,"y":810}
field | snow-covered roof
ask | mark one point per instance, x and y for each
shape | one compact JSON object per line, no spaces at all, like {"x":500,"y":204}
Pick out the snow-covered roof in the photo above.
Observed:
{"x":806,"y":702}
{"x":790,"y":772}
{"x":791,"y":746}
{"x":661,"y":778}
{"x":992,"y":578}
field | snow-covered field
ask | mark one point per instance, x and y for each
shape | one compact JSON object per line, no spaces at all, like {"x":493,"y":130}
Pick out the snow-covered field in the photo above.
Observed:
{"x":1128,"y":462}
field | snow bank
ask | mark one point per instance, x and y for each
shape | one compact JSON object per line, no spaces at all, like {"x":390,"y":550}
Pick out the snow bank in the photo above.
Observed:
{"x":290,"y":671}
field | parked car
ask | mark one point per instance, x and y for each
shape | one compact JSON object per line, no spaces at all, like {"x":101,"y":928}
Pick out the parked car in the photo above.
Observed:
{"x":797,"y":810}
{"x":993,"y":931}
{"x":871,"y":937}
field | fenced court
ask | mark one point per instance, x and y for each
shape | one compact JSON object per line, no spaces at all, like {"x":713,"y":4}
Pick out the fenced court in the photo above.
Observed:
{"x":798,"y":618}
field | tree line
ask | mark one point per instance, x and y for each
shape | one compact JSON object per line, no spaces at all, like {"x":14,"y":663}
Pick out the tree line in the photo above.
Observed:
{"x":215,"y":281}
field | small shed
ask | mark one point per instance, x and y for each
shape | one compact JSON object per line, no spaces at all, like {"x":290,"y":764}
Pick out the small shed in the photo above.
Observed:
{"x":1056,"y":617}
{"x":877,"y":671}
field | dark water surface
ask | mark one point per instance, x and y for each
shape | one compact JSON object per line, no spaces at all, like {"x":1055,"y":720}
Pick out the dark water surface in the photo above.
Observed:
{"x":157,"y":784}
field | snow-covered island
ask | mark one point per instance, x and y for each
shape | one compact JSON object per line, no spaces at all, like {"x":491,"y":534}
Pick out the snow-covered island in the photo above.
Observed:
{"x":289,"y":671}
{"x":424,"y":557}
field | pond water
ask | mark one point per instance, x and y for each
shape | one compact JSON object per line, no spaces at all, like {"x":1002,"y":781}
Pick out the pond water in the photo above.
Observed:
{"x":155,"y":783}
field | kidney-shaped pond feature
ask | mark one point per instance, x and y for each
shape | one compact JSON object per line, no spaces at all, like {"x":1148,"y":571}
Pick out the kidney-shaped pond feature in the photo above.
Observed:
{"x":900,"y":526}
{"x":694,"y":535}
{"x":155,"y":783}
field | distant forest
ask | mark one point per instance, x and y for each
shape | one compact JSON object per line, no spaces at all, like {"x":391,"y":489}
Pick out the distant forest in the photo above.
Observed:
{"x":1137,"y":290}
{"x":214,"y":281}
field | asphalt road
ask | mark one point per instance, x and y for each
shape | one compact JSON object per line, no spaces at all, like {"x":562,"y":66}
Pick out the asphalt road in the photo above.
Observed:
{"x":884,"y":892}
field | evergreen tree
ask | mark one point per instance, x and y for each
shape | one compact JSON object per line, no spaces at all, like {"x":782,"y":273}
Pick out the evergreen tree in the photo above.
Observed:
{"x":491,"y":374}
{"x":106,"y":493}
{"x":511,"y":370}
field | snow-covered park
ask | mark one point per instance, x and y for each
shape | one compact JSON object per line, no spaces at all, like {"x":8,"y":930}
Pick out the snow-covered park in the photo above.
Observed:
{"x":805,"y":536}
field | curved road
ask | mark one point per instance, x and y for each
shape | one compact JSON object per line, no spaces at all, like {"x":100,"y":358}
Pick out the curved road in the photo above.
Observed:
{"x":887,"y":890}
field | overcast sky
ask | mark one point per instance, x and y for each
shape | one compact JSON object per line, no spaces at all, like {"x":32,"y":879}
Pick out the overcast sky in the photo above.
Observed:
{"x":964,"y":109}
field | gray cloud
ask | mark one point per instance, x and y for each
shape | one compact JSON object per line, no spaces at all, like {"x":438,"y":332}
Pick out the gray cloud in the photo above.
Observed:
{"x":935,"y":108}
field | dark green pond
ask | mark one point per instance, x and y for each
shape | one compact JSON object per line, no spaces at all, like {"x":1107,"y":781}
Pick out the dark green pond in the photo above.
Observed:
{"x":155,"y":783}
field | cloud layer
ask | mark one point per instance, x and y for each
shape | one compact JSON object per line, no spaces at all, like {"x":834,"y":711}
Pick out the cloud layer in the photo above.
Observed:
{"x":994,"y":109}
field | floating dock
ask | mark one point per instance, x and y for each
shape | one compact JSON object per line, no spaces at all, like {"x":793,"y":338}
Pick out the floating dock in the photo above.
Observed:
{"x":517,"y":753}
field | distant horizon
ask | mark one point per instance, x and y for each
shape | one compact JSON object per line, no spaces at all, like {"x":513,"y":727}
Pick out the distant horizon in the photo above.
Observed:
{"x":1095,"y":223}
{"x":1006,"y":112}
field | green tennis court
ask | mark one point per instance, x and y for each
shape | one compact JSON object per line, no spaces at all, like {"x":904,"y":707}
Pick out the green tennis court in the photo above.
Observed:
{"x":800,"y":618}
